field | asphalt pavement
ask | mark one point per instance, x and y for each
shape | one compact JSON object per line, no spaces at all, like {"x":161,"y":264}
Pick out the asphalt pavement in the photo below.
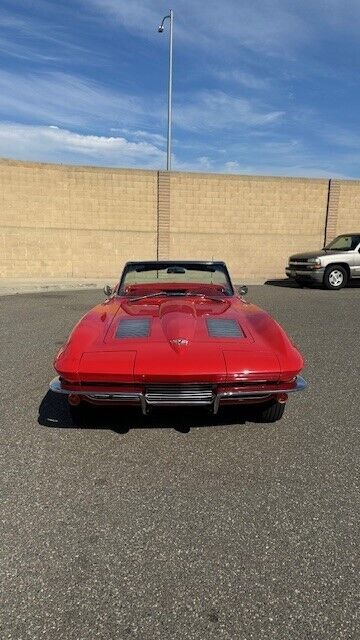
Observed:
{"x":181,"y":526}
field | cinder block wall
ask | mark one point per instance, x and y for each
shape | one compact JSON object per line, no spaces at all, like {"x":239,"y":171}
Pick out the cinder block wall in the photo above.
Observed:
{"x":348,"y":215}
{"x":253,"y":223}
{"x":63,"y":221}
{"x":60,"y":221}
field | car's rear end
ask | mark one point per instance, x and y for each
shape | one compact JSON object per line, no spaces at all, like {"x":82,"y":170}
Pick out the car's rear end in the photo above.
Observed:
{"x":195,"y":346}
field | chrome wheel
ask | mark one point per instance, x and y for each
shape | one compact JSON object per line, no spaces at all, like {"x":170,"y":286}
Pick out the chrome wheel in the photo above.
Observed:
{"x":336,"y":278}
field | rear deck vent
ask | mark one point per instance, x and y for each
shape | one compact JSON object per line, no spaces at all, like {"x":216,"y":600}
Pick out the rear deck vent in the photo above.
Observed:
{"x":223,"y":328}
{"x":139,"y":328}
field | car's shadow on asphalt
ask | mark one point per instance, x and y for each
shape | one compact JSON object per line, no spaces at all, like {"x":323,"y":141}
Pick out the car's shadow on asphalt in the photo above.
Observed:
{"x":54,"y":413}
{"x":291,"y":284}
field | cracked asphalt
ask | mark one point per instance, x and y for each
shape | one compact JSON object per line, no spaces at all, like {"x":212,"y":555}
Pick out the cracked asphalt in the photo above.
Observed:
{"x":181,"y":526}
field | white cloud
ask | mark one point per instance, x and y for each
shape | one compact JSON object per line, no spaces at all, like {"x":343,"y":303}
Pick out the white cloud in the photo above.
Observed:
{"x":249,"y":80}
{"x":341,"y":137}
{"x":284,"y":157}
{"x":10,"y":47}
{"x":53,"y":144}
{"x":213,"y":110}
{"x":156,"y":138}
{"x":69,"y":100}
{"x":34,"y":39}
{"x":233,"y":166}
{"x":103,"y":122}
{"x":271,"y":27}
{"x":202,"y":164}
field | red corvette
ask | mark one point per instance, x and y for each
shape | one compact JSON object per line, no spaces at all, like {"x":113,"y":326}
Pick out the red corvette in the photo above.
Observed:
{"x":175,"y":333}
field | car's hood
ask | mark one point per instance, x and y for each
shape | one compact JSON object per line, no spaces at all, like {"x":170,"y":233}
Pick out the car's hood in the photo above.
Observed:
{"x":172,"y":320}
{"x":177,"y":339}
{"x":309,"y":254}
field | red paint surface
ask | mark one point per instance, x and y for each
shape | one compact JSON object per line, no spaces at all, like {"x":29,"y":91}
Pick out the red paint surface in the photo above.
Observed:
{"x":92,"y":353}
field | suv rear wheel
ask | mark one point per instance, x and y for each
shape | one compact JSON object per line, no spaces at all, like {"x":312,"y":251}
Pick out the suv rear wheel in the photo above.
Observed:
{"x":335,"y":277}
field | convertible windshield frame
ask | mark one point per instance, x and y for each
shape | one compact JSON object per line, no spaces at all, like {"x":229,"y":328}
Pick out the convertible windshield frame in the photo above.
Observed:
{"x":189,"y":265}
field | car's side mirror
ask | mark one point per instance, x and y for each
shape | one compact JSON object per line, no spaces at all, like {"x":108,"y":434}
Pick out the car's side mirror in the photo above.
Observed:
{"x":243,"y":290}
{"x":107,"y":290}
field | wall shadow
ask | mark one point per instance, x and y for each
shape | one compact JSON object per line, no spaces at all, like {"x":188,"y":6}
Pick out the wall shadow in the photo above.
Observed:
{"x":54,"y":413}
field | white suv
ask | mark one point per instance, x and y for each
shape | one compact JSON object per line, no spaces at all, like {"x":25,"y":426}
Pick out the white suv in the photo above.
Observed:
{"x":332,"y":266}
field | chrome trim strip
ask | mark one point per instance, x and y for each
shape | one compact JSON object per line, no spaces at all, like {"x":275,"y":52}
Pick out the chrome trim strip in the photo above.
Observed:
{"x":173,"y":397}
{"x":55,"y":385}
{"x":300,"y":385}
{"x":125,"y":397}
{"x":195,"y":399}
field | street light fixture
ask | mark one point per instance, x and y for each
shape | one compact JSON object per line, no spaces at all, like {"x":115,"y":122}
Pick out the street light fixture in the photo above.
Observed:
{"x":161,"y":29}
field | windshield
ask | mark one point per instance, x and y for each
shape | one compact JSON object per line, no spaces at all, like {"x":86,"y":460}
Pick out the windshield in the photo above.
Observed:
{"x":175,"y":278}
{"x":344,"y":243}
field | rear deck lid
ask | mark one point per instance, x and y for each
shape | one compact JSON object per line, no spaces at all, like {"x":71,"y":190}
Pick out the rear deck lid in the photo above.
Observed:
{"x":102,"y":366}
{"x":254,"y":364}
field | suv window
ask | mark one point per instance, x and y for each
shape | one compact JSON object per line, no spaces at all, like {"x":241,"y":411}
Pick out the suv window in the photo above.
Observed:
{"x":344,"y":243}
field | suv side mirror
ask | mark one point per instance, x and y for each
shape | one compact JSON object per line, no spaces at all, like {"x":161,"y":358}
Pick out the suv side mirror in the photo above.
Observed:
{"x":243,"y":290}
{"x":107,"y":290}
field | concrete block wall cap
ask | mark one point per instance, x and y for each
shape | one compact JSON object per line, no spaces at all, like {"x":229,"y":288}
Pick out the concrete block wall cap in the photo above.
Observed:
{"x":12,"y":286}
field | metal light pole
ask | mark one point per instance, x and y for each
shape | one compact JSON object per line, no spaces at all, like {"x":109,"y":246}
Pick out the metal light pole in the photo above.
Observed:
{"x":161,"y":29}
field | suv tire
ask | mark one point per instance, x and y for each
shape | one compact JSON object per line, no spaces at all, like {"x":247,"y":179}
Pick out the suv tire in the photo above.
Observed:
{"x":335,"y":277}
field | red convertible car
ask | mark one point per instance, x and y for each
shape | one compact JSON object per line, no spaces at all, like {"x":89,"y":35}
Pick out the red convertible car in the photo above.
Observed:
{"x":175,"y":333}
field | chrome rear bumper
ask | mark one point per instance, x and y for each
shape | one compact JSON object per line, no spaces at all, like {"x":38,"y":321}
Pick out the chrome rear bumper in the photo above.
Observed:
{"x":181,"y":394}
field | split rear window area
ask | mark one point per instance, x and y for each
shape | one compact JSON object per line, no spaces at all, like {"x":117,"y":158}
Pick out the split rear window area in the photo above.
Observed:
{"x":175,"y":276}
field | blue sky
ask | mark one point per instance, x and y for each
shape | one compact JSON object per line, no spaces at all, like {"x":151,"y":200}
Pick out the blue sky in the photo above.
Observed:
{"x":260,"y":87}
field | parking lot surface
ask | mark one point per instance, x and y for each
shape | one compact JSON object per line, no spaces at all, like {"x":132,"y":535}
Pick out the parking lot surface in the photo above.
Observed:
{"x":181,"y":526}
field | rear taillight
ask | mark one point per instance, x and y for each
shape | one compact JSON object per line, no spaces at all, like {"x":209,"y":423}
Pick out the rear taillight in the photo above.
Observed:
{"x":74,"y":399}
